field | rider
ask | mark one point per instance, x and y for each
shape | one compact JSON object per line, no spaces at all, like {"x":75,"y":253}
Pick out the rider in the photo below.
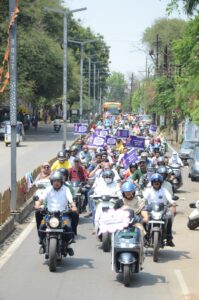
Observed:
{"x":175,"y":159}
{"x":57,"y":197}
{"x":159,"y":194}
{"x":61,"y":162}
{"x":85,"y":156}
{"x":129,"y":200}
{"x":45,"y":172}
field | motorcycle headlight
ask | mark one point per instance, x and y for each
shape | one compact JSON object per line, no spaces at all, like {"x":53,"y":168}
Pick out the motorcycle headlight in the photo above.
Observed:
{"x":157,"y":216}
{"x":54,"y":222}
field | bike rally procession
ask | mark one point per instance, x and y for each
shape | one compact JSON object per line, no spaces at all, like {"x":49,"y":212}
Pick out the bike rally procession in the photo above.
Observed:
{"x":99,"y":189}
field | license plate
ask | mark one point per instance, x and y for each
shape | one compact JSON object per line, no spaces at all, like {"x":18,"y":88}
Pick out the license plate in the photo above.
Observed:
{"x":54,"y":230}
{"x":156,"y":222}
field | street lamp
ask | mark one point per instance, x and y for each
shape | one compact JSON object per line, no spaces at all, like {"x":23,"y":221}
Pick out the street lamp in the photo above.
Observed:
{"x":65,"y":13}
{"x":81,"y":69}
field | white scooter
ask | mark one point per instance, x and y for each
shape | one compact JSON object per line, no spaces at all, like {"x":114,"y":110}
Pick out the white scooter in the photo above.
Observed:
{"x":104,"y":203}
{"x":193,"y":221}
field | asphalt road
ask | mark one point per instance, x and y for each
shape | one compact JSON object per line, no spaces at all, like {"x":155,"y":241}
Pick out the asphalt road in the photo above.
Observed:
{"x":39,"y":146}
{"x":24,"y":274}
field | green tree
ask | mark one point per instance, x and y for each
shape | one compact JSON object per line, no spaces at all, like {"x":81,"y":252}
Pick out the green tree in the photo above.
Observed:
{"x":117,"y":87}
{"x":189,"y":6}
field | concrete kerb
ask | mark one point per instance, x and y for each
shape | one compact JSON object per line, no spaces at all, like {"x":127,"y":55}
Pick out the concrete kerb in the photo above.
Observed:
{"x":9,"y":225}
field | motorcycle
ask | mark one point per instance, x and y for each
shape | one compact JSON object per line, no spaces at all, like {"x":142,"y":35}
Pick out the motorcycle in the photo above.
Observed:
{"x":193,"y":221}
{"x":128,"y":253}
{"x":57,"y":127}
{"x":55,"y":244}
{"x":80,"y":188}
{"x":104,"y":203}
{"x":176,"y":178}
{"x":156,"y":228}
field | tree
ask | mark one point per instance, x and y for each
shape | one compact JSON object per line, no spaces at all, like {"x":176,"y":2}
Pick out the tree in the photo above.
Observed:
{"x":117,"y":87}
{"x":189,"y":6}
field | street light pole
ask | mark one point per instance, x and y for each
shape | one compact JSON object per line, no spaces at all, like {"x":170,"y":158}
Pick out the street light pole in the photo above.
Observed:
{"x":94,"y":91}
{"x":81,"y":71}
{"x":13,"y":103}
{"x":89,"y":87}
{"x":65,"y":13}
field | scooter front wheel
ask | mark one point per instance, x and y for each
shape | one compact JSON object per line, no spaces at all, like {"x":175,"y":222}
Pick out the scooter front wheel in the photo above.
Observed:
{"x":155,"y":246}
{"x":193,"y":224}
{"x":52,"y":254}
{"x":126,"y":275}
{"x":106,"y":242}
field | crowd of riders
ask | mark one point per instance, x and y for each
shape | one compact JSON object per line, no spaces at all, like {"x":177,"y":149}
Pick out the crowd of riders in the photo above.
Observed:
{"x":104,"y":170}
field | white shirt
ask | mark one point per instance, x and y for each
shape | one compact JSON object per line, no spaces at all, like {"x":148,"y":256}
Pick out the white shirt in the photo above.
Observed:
{"x":71,"y":160}
{"x":103,"y":189}
{"x":57,"y":200}
{"x":167,"y":185}
{"x":162,"y":195}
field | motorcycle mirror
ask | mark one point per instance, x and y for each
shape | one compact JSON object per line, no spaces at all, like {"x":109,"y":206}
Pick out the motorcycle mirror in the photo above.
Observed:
{"x":192,"y":205}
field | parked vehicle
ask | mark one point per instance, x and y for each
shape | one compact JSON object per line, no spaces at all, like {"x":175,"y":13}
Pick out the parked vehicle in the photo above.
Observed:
{"x":193,"y":162}
{"x":156,"y":230}
{"x":55,"y":242}
{"x":2,"y":130}
{"x":128,"y":252}
{"x":186,"y":150}
{"x":104,"y":203}
{"x":19,"y":134}
{"x":193,"y":220}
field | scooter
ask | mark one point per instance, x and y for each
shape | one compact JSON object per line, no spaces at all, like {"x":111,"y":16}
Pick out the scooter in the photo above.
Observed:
{"x":128,"y":252}
{"x":193,"y":221}
{"x":104,"y":203}
{"x":176,"y":180}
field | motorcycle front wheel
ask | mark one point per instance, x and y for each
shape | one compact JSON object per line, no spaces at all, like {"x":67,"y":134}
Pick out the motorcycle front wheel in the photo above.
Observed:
{"x":52,"y":255}
{"x":126,"y":275}
{"x":155,"y":245}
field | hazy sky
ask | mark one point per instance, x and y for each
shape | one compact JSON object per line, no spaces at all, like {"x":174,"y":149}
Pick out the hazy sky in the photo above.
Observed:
{"x":122,"y":23}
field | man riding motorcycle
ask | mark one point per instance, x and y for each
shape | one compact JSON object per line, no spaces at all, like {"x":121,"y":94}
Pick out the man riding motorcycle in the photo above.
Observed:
{"x":158,"y":194}
{"x":57,"y":197}
{"x":61,"y":162}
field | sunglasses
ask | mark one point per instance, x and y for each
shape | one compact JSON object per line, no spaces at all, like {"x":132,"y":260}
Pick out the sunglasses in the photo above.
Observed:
{"x":46,"y":167}
{"x":156,"y":182}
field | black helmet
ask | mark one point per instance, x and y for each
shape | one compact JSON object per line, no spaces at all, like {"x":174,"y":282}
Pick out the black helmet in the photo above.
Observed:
{"x":160,"y":161}
{"x":133,"y":165}
{"x":56,"y":176}
{"x":61,"y":156}
{"x":64,"y":173}
{"x":67,"y":150}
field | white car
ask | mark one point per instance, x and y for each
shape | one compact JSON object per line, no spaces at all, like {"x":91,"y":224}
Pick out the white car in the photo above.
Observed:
{"x":2,"y":130}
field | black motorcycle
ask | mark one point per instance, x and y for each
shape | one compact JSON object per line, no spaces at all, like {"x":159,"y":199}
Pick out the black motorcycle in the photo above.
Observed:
{"x":156,"y":231}
{"x":56,"y":226}
{"x":57,"y":128}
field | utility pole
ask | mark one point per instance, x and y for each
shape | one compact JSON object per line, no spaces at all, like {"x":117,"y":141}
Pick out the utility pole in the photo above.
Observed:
{"x":65,"y":14}
{"x":94,"y":90}
{"x":13,"y":103}
{"x":166,"y":60}
{"x":89,"y":87}
{"x":131,"y":92}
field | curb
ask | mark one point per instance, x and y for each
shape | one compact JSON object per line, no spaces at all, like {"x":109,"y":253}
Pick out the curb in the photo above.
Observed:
{"x":7,"y":228}
{"x":24,"y":211}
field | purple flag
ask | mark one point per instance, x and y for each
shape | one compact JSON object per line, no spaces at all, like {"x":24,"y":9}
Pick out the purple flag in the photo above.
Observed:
{"x":101,"y":132}
{"x":129,"y":157}
{"x":152,"y":128}
{"x":80,"y":128}
{"x":137,"y":142}
{"x":96,"y":140}
{"x":123,"y":133}
{"x":111,"y":141}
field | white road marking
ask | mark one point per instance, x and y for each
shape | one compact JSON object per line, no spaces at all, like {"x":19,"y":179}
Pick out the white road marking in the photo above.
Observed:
{"x":15,"y":245}
{"x":182,"y":283}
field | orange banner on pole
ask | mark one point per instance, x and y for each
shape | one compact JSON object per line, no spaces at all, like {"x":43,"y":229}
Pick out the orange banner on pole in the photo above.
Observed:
{"x":7,"y":52}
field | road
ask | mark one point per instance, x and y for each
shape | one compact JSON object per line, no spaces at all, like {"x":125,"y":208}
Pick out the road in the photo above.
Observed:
{"x":39,"y":146}
{"x":24,"y":274}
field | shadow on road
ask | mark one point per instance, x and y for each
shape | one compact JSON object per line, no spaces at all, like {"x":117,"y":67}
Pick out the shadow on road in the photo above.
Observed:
{"x":170,"y":255}
{"x":73,"y":263}
{"x":142,"y":279}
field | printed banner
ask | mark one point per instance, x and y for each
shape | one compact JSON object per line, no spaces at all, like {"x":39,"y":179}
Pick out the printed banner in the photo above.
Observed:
{"x":101,"y":132}
{"x":129,"y":157}
{"x":123,"y":133}
{"x":111,"y":141}
{"x":81,"y":128}
{"x":113,"y":220}
{"x":153,"y":129}
{"x":96,"y":140}
{"x":138,"y":142}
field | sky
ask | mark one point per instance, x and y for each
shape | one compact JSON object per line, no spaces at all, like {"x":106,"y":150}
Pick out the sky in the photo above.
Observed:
{"x":122,"y":23}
